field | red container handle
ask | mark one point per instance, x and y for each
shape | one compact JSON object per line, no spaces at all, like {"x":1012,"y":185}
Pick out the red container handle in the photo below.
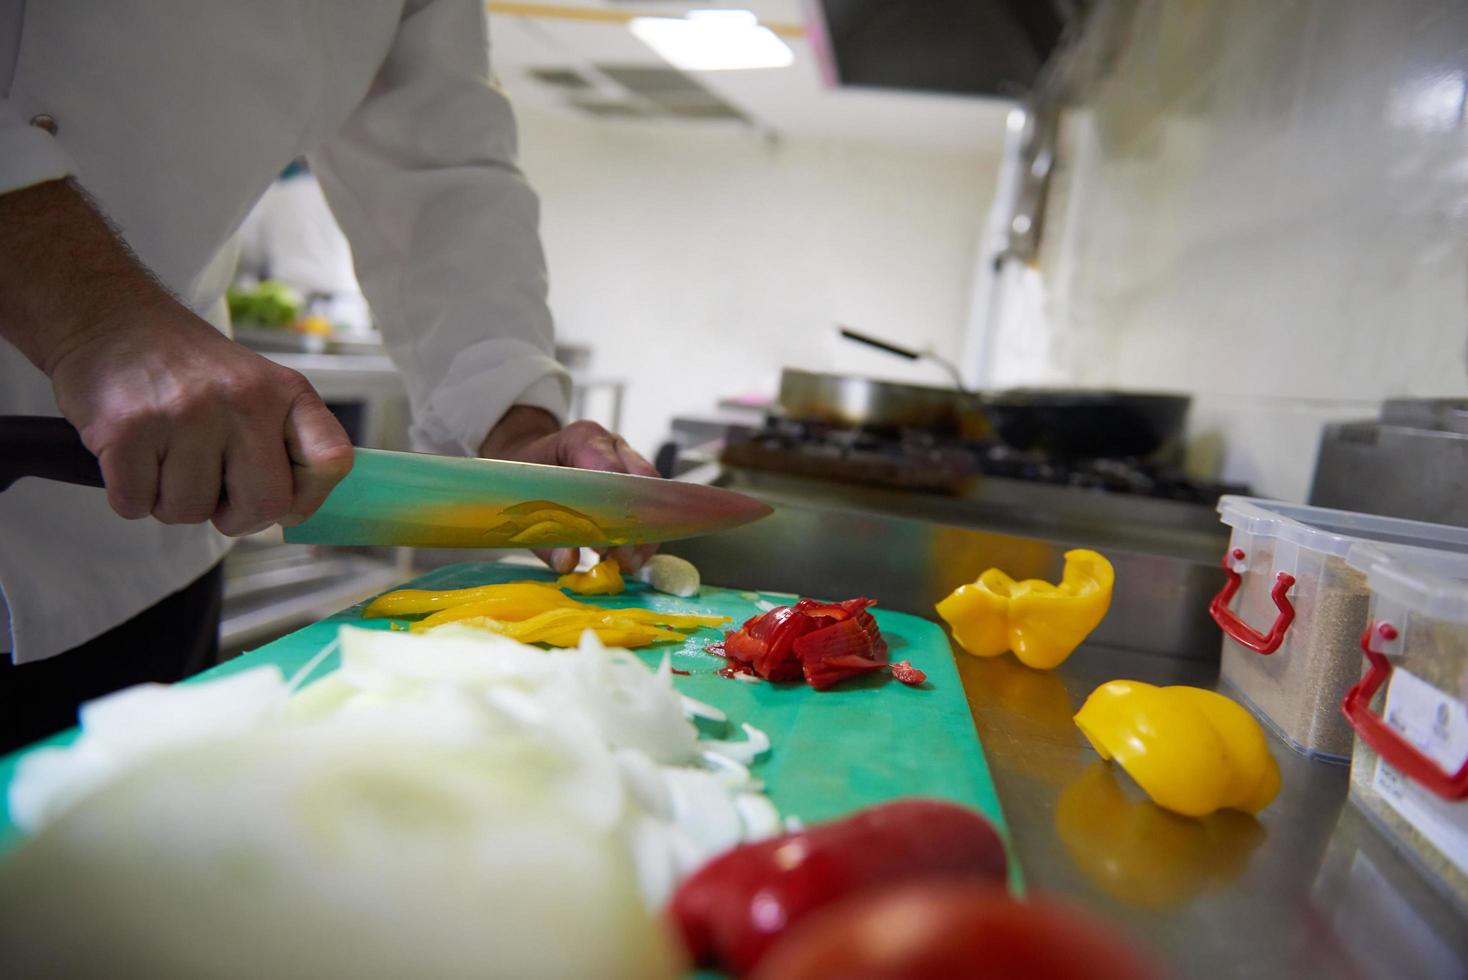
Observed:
{"x":1401,"y":754}
{"x":1241,"y":631}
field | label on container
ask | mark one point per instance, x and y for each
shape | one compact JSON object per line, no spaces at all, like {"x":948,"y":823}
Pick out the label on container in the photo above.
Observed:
{"x":1438,"y":726}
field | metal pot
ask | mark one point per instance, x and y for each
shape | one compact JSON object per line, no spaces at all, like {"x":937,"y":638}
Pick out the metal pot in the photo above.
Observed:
{"x":851,"y":402}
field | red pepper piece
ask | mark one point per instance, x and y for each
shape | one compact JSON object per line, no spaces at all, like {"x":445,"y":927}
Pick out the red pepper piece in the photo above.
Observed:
{"x":764,"y":643}
{"x":735,"y":907}
{"x":907,"y":673}
{"x":842,"y":650}
{"x":825,"y":642}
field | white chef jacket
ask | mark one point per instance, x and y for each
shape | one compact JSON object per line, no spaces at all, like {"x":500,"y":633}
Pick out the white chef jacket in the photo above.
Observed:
{"x":176,"y":118}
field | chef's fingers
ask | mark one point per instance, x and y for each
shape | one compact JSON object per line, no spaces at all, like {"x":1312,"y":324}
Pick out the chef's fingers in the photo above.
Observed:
{"x":632,"y":461}
{"x":320,"y":453}
{"x":189,"y":478}
{"x":258,"y":484}
{"x":633,"y":557}
{"x":130,"y":473}
{"x":560,"y":560}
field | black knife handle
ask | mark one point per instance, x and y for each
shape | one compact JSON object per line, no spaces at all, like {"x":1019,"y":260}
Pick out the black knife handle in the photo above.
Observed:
{"x":35,"y":445}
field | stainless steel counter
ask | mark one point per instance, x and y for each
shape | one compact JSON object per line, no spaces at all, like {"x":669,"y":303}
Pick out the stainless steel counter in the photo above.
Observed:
{"x":1306,"y":889}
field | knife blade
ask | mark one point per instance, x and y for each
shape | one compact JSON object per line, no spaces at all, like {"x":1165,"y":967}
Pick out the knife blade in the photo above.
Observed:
{"x":452,"y":502}
{"x":421,"y":500}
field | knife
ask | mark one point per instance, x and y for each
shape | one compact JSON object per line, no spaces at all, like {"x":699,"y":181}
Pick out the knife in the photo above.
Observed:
{"x":427,"y":501}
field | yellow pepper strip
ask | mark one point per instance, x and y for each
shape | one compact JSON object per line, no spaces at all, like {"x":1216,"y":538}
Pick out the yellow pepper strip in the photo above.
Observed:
{"x":415,"y":602}
{"x":1191,"y":750}
{"x":1040,"y":622}
{"x":516,"y":607}
{"x":563,"y":628}
{"x":604,"y":578}
{"x":677,"y":621}
{"x":533,"y":612}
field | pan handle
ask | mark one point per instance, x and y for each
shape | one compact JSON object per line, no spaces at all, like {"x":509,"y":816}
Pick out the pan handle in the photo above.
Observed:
{"x":880,"y":345}
{"x":33,"y":445}
{"x":912,"y":355}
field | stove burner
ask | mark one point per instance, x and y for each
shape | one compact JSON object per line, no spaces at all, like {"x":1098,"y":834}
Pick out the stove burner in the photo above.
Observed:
{"x":920,"y":460}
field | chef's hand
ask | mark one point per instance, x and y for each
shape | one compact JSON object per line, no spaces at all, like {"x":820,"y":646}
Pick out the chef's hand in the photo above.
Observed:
{"x":180,"y":416}
{"x":532,"y":435}
{"x":176,"y":413}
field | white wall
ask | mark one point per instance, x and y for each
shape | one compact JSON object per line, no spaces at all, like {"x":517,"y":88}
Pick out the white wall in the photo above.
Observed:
{"x":1263,"y":203}
{"x":699,"y":259}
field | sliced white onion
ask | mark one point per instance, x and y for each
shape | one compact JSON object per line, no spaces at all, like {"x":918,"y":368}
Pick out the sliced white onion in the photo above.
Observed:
{"x":590,"y":733}
{"x":122,"y":730}
{"x":761,"y":819}
{"x":756,"y":743}
{"x":694,"y":708}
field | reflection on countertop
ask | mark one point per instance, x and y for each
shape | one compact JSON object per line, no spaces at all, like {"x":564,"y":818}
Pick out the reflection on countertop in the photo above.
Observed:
{"x":1307,"y":888}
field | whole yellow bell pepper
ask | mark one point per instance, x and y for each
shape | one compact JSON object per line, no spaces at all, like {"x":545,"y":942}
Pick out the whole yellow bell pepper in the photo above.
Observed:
{"x":604,"y":578}
{"x":1191,"y":750}
{"x":1040,"y":622}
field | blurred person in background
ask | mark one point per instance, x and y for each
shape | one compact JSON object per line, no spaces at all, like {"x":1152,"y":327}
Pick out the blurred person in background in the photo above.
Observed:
{"x":291,"y":237}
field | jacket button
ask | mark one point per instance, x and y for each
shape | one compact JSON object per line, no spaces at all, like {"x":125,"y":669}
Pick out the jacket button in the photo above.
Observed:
{"x":46,"y":122}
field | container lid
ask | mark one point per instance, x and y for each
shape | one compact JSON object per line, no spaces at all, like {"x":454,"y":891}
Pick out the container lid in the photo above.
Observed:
{"x":1334,"y":532}
{"x":1434,"y":584}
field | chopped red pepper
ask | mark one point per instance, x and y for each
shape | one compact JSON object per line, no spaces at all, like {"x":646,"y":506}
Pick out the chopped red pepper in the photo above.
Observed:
{"x":823,"y":642}
{"x":907,"y":673}
{"x":680,"y":673}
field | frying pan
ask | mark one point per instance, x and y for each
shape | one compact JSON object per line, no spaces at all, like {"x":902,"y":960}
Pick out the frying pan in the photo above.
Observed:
{"x":1079,"y":424}
{"x":852,"y":402}
{"x":1060,"y":422}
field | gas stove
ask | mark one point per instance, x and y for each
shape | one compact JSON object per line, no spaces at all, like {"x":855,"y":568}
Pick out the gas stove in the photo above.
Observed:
{"x":922,"y":461}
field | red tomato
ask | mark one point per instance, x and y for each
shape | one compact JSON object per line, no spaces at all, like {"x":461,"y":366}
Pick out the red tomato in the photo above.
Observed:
{"x":951,"y":931}
{"x":734,"y":908}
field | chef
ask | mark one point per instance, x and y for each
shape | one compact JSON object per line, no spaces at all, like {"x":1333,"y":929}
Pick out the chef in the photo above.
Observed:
{"x":134,"y":138}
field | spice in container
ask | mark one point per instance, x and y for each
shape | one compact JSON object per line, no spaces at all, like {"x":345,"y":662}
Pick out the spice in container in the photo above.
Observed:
{"x":1419,"y":620}
{"x":1312,"y":632}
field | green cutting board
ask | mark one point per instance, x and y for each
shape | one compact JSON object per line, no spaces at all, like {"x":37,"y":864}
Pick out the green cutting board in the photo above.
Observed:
{"x":870,"y":739}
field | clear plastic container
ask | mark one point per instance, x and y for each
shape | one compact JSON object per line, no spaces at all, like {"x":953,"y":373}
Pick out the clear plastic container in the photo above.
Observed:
{"x":1293,"y":609}
{"x":1409,"y":773}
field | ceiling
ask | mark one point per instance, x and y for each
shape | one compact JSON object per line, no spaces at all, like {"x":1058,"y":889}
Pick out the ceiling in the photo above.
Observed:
{"x":577,"y":57}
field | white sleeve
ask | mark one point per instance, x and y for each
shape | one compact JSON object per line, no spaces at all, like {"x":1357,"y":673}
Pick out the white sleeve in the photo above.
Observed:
{"x":28,"y":154}
{"x":444,"y":231}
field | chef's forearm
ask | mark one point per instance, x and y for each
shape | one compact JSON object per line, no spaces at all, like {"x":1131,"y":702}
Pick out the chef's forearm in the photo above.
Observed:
{"x":63,"y":271}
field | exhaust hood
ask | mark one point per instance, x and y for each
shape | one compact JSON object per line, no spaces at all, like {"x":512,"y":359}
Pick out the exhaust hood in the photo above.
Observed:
{"x":962,"y":47}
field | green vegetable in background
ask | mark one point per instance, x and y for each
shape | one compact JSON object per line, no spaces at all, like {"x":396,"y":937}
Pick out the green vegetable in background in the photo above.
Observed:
{"x":271,"y":304}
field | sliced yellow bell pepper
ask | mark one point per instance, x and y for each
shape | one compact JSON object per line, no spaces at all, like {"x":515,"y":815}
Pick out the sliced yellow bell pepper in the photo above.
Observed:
{"x":533,"y":596}
{"x":1040,"y":622}
{"x":534,"y":612}
{"x":604,"y":578}
{"x":563,"y":628}
{"x":1191,"y":750}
